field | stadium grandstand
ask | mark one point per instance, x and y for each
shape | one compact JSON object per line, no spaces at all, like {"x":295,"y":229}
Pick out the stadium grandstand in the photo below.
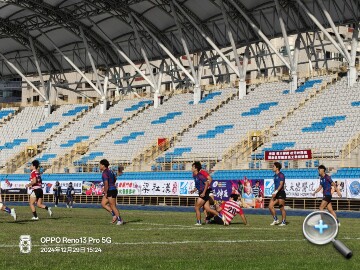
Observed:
{"x":156,"y":85}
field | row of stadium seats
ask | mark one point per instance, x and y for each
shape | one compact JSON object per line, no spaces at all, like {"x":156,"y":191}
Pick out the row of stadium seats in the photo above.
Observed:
{"x":127,"y":141}
{"x":90,"y":127}
{"x":258,"y":110}
{"x":325,"y":123}
{"x":30,"y":127}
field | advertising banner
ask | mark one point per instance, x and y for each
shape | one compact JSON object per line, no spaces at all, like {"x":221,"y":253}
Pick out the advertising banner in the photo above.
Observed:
{"x":288,"y":155}
{"x":353,"y":188}
{"x":304,"y":188}
{"x":129,"y":187}
{"x":250,"y":191}
{"x":185,"y":186}
{"x":92,"y":188}
{"x":159,"y":187}
{"x":18,"y":187}
{"x":222,"y":190}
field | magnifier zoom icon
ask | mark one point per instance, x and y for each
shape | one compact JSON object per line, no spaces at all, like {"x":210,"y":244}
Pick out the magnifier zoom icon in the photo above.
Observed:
{"x":321,"y":228}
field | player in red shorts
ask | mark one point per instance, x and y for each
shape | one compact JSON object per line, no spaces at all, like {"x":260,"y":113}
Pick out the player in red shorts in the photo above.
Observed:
{"x":229,"y":210}
{"x":36,"y":195}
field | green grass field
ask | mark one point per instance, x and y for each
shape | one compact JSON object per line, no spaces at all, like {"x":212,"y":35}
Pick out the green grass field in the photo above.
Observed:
{"x":168,"y":240}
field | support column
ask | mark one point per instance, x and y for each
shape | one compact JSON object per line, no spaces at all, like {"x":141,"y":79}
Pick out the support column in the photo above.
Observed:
{"x":184,"y":43}
{"x":47,"y":107}
{"x":103,"y":104}
{"x":242,"y":81}
{"x":294,"y":76}
{"x":197,"y":94}
{"x":143,"y":53}
{"x":352,"y":73}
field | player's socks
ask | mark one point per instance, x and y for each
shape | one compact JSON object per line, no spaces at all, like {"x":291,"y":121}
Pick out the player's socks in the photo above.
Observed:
{"x":7,"y":210}
{"x":198,"y":221}
{"x":35,"y":214}
{"x":284,"y":221}
{"x":112,"y":213}
{"x":275,"y":218}
{"x":46,"y":208}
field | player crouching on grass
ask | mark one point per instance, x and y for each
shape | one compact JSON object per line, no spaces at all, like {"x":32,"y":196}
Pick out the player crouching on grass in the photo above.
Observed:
{"x":110,"y":192}
{"x":202,"y":185}
{"x":229,"y":210}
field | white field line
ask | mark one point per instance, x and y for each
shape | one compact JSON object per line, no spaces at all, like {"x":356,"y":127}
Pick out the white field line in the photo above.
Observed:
{"x":177,"y":242}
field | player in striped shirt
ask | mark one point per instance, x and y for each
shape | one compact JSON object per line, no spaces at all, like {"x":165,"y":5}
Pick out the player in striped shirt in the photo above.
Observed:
{"x":229,"y":210}
{"x":325,"y":184}
{"x":36,"y":195}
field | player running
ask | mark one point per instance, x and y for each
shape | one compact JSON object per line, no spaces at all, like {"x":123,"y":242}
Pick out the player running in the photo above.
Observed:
{"x":325,"y":184}
{"x":110,"y":192}
{"x":6,"y":209}
{"x":36,"y":195}
{"x":278,"y":196}
{"x":229,"y":210}
{"x":202,"y":186}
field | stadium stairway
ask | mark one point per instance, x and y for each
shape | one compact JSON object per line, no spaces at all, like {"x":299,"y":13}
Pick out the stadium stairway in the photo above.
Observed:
{"x":236,"y":157}
{"x":141,"y":162}
{"x":351,"y":152}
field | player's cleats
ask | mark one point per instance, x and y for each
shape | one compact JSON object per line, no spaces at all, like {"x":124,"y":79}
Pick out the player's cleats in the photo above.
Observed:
{"x":275,"y":222}
{"x":67,"y":206}
{"x":35,"y":218}
{"x":13,"y":213}
{"x":338,"y":222}
{"x":282,"y":224}
{"x":223,"y":218}
{"x":197,"y":224}
{"x":120,"y":222}
{"x":50,"y":212}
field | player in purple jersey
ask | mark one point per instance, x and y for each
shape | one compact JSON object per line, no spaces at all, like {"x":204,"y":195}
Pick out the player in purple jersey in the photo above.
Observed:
{"x":203,"y":186}
{"x":279,"y":195}
{"x":108,"y":202}
{"x":325,"y":184}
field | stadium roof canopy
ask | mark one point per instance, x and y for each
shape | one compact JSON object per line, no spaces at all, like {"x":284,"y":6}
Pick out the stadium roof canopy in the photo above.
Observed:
{"x":49,"y":23}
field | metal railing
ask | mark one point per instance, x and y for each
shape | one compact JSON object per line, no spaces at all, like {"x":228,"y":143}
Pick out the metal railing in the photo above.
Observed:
{"x":293,"y":203}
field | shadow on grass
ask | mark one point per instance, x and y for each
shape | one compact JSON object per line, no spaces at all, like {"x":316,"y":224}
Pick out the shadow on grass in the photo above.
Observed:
{"x":133,"y":221}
